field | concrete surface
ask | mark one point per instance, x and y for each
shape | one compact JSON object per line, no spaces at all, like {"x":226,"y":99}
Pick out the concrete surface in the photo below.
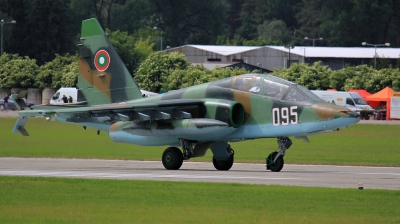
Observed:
{"x":291,"y":175}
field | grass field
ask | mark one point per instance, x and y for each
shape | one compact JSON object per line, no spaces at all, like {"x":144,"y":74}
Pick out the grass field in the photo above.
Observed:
{"x":68,"y":200}
{"x":361,"y":144}
{"x":57,"y":200}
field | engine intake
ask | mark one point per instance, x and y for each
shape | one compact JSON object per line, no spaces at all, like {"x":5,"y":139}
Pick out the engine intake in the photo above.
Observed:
{"x":231,"y":112}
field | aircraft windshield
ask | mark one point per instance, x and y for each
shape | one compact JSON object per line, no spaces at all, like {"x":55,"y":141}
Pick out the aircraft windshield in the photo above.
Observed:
{"x":274,"y":89}
{"x":310,"y":94}
{"x":278,"y":88}
{"x":255,"y":86}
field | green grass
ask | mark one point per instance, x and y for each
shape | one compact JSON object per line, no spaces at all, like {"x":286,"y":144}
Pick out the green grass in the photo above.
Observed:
{"x":361,"y":144}
{"x":58,"y":200}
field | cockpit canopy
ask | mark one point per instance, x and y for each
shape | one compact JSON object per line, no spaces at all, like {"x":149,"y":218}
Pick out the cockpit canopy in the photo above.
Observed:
{"x":274,"y":87}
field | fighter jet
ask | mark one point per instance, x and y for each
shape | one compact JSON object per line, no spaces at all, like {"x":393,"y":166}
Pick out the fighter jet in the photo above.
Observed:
{"x":197,"y":118}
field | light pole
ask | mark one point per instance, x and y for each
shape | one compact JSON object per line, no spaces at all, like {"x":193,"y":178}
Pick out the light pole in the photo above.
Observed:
{"x":2,"y":24}
{"x":376,"y":45}
{"x":289,"y":47}
{"x":313,"y":40}
{"x":157,"y":28}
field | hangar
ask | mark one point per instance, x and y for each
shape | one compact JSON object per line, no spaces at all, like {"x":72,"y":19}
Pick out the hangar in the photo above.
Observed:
{"x":270,"y":57}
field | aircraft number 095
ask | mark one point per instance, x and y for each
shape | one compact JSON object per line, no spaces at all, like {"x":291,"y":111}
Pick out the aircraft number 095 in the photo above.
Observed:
{"x":284,"y":116}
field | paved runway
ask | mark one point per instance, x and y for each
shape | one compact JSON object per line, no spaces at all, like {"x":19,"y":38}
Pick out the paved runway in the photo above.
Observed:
{"x":291,"y":175}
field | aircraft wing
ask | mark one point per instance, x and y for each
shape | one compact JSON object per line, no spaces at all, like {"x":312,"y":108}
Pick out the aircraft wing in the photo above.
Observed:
{"x":111,"y":113}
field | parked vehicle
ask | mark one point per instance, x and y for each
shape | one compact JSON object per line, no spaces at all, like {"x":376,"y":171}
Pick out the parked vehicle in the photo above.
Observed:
{"x":67,"y":91}
{"x":11,"y":104}
{"x":351,"y":100}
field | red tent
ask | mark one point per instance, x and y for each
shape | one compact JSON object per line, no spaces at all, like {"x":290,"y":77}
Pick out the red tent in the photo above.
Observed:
{"x":363,"y":93}
{"x":381,"y":96}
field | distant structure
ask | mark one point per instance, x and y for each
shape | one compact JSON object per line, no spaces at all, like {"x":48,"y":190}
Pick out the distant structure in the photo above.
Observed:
{"x":269,"y":57}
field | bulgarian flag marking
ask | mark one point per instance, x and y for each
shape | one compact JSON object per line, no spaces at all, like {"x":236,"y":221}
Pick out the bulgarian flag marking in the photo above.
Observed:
{"x":101,"y":60}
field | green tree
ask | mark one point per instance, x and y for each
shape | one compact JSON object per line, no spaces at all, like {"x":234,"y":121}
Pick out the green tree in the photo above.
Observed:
{"x":144,"y":48}
{"x":50,"y":75}
{"x":309,"y":20}
{"x":132,"y":51}
{"x":345,"y":21}
{"x":132,"y":16}
{"x":275,"y":30}
{"x":44,"y":28}
{"x":381,"y":62}
{"x":195,"y":75}
{"x":361,"y":78}
{"x":339,"y":78}
{"x":17,"y":71}
{"x":225,"y":40}
{"x":398,"y":63}
{"x":233,"y":20}
{"x":255,"y":12}
{"x":382,"y":78}
{"x":154,"y":71}
{"x":102,"y":10}
{"x":70,"y":78}
{"x":261,"y":42}
{"x":312,"y":77}
{"x":191,"y":21}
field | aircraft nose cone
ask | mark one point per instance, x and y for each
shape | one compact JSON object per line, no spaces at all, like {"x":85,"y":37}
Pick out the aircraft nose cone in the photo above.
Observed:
{"x":330,"y":111}
{"x":355,"y":115}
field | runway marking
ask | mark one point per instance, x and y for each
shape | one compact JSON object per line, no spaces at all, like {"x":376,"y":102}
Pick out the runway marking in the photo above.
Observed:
{"x":365,"y":173}
{"x":119,"y":175}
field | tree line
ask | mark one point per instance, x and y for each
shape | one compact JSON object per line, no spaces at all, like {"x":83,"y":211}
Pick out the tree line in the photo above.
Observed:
{"x":41,"y":46}
{"x":162,"y":72}
{"x":45,"y":28}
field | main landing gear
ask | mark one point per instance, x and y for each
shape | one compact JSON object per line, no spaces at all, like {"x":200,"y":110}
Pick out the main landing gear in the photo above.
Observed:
{"x":172,"y":158}
{"x":275,"y":160}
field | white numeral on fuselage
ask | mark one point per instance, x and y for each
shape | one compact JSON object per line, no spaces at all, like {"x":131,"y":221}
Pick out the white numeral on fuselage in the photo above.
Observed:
{"x":284,"y":116}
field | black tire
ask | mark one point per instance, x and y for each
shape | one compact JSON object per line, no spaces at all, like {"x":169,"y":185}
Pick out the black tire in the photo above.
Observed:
{"x":277,"y":165}
{"x":224,"y":164}
{"x":172,"y":158}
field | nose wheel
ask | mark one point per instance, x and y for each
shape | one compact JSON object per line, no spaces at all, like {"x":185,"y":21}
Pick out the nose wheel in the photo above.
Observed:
{"x":277,"y":165}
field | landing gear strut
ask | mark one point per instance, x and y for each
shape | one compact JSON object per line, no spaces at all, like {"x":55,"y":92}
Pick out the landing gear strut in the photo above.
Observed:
{"x":275,"y":160}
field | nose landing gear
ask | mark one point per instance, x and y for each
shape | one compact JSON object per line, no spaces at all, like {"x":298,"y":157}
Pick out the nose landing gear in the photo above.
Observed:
{"x":275,"y":160}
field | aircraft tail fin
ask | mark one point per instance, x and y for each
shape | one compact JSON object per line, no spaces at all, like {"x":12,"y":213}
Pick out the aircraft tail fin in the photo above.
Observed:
{"x":103,"y":77}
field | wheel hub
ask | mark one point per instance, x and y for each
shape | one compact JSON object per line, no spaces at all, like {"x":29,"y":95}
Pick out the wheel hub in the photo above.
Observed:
{"x":169,"y":158}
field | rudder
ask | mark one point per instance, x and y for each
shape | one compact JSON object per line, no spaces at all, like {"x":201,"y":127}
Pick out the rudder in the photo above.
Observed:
{"x":103,"y":77}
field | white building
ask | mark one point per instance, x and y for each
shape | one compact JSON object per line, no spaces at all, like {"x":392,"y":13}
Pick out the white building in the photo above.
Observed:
{"x":270,"y":57}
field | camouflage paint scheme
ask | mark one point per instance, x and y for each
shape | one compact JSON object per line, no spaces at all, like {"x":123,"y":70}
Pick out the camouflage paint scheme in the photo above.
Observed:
{"x":196,"y":118}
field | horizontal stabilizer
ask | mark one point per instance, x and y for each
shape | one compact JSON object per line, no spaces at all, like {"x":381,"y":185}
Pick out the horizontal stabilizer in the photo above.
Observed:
{"x":19,"y":127}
